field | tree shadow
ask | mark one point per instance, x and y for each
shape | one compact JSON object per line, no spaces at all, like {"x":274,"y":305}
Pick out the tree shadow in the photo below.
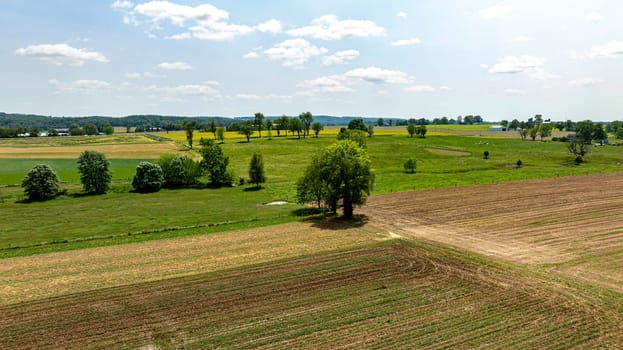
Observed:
{"x":308,"y":211}
{"x":252,"y":189}
{"x":337,"y":223}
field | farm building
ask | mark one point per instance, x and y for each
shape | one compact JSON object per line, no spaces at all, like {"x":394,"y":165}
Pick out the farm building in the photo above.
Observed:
{"x":497,"y":128}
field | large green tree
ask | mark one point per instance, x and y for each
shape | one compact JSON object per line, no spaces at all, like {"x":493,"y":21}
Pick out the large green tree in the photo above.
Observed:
{"x":94,"y":171}
{"x":148,"y":178}
{"x":306,"y":118}
{"x":41,"y":183}
{"x":345,"y":170}
{"x":215,"y":163}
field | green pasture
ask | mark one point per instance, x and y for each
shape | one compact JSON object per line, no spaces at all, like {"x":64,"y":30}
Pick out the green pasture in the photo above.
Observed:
{"x":442,"y":161}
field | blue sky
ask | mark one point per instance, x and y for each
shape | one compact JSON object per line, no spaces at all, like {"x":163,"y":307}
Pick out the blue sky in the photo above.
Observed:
{"x":427,"y":58}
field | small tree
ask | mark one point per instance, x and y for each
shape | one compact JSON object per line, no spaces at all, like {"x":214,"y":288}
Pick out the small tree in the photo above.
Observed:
{"x":259,"y":122}
{"x":545,"y":130}
{"x":220,"y":134}
{"x":108,"y":129}
{"x":256,"y":170}
{"x":485,"y":155}
{"x":370,"y":130}
{"x":312,"y":187}
{"x":295,"y":125}
{"x":357,"y":124}
{"x":178,"y":171}
{"x":269,"y":129}
{"x":411,"y":129}
{"x":148,"y":178}
{"x":420,"y":131}
{"x":519,"y":163}
{"x":246,"y":130}
{"x":306,"y":119}
{"x":317,"y":127}
{"x":410,"y":165}
{"x":212,"y":128}
{"x":579,"y":149}
{"x":90,"y":129}
{"x":523,"y":133}
{"x":215,"y":163}
{"x":533,"y":132}
{"x":94,"y":171}
{"x":357,"y":136}
{"x":41,"y":183}
{"x":189,"y":129}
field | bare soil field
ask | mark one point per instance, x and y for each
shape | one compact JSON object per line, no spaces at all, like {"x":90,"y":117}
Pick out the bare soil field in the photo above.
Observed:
{"x":392,"y":294}
{"x":575,"y":220}
{"x":145,"y":150}
{"x":46,"y":275}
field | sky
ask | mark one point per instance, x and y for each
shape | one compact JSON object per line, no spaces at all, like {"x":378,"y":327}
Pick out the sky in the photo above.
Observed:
{"x":393,"y":58}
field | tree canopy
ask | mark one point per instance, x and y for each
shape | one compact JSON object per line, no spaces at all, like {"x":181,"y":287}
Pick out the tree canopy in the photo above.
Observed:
{"x":94,"y":171}
{"x":41,"y":183}
{"x":342,"y":173}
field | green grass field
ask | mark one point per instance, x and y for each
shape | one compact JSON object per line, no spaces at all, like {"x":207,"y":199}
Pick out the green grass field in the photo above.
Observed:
{"x":442,"y":161}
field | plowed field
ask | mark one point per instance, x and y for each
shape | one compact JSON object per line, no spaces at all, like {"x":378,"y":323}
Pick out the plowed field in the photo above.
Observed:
{"x":572,"y":220}
{"x":383,"y":295}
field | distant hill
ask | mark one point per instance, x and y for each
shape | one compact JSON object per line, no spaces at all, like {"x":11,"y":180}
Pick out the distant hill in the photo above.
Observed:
{"x":27,"y":121}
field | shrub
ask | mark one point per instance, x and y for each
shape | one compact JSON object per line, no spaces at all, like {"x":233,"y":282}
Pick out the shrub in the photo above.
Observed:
{"x":578,"y":160}
{"x":410,"y":165}
{"x":485,"y":155}
{"x":519,"y":163}
{"x":94,"y":171}
{"x":148,"y":177}
{"x":256,"y":170}
{"x":41,"y":183}
{"x":178,"y":171}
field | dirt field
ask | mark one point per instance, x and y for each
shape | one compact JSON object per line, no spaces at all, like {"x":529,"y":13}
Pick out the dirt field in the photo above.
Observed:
{"x":574,"y":220}
{"x":47,"y":275}
{"x":147,"y":150}
{"x":385,"y":295}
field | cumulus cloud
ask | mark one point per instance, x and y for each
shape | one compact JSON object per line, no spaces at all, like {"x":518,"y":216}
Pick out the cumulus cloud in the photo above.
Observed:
{"x":401,"y":14}
{"x":348,"y":81}
{"x":593,"y":17}
{"x":251,"y":55}
{"x":204,"y":21}
{"x":379,"y":76}
{"x":340,"y":57}
{"x":255,"y":97}
{"x":611,"y":49}
{"x":175,"y":66}
{"x":330,"y":27}
{"x":530,"y":65}
{"x":137,"y":75}
{"x":189,"y":90}
{"x":61,"y":54}
{"x":122,"y":4}
{"x":79,"y":86}
{"x":294,"y":53}
{"x":271,"y":26}
{"x":494,"y":11}
{"x":585,"y":82}
{"x":328,"y":84}
{"x":406,"y":42}
{"x":421,"y":88}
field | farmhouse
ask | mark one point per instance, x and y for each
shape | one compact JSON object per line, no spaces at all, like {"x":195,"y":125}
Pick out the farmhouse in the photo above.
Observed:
{"x":497,"y":128}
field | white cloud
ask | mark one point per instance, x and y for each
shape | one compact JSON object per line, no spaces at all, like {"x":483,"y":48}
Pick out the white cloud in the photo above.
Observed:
{"x":484,"y":66}
{"x":593,"y":17}
{"x":61,"y":54}
{"x":585,"y":82}
{"x":122,"y":4}
{"x":270,"y":26}
{"x":329,"y":27}
{"x":494,"y":11}
{"x":79,"y":86}
{"x":137,"y":75}
{"x":340,"y":57}
{"x":522,"y":38}
{"x":203,"y":89}
{"x":401,"y":14}
{"x":421,"y":88}
{"x":251,"y":55}
{"x":379,"y":76}
{"x":515,"y":92}
{"x":329,"y":84}
{"x":294,"y":53}
{"x":530,"y":65}
{"x":406,"y":42}
{"x":200,"y":22}
{"x":445,"y":88}
{"x":611,"y":49}
{"x":247,"y":97}
{"x":255,"y":97}
{"x":516,"y":64}
{"x":175,"y":66}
